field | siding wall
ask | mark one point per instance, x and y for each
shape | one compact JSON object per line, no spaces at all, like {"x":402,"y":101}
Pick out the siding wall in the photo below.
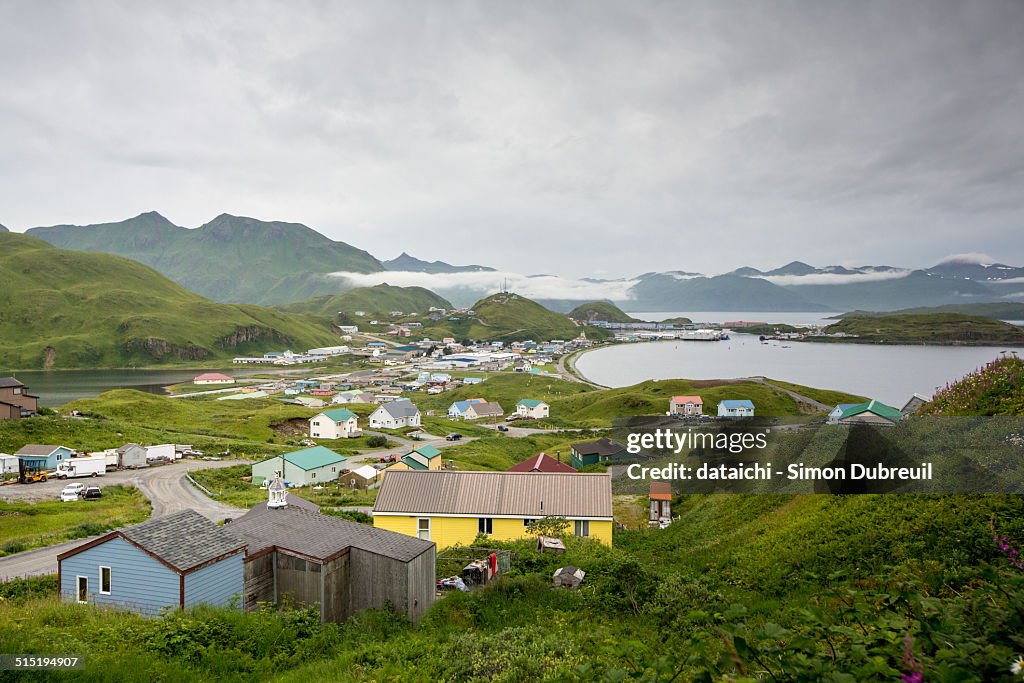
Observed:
{"x":337,"y":577}
{"x":298,"y":580}
{"x":259,"y":581}
{"x":137,"y":581}
{"x":267,"y":468}
{"x":217,"y":583}
{"x":449,"y":531}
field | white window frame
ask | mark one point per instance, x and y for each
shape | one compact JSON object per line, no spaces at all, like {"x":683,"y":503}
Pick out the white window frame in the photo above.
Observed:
{"x":110,"y":580}
{"x":582,"y":528}
{"x":420,"y":529}
{"x":488,"y":525}
{"x":78,"y":589}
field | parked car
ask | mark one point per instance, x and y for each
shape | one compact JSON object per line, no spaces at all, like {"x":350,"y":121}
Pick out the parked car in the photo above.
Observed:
{"x":92,"y":493}
{"x":502,"y":428}
{"x":71,"y":492}
{"x":454,"y":436}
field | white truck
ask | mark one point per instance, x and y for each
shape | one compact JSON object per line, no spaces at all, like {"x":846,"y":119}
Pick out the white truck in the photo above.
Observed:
{"x":87,"y":466}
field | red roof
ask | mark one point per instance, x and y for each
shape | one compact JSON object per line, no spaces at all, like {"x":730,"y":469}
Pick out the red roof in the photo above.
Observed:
{"x":541,"y":462}
{"x":212,"y":375}
{"x":687,"y":399}
{"x":661,"y":490}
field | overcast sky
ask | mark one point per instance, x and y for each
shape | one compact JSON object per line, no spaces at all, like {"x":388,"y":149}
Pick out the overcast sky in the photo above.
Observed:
{"x":582,"y":138}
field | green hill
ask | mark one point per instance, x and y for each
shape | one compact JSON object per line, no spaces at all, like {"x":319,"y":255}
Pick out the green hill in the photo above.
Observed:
{"x":665,"y":292}
{"x":600,"y":310}
{"x":508,"y":317}
{"x":928,"y":328}
{"x":377,"y":299}
{"x":996,"y":389}
{"x":231,"y":258}
{"x":997,"y":310}
{"x":69,"y":309}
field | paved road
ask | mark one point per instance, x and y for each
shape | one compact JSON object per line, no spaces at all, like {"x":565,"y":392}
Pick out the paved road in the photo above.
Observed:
{"x":166,"y":487}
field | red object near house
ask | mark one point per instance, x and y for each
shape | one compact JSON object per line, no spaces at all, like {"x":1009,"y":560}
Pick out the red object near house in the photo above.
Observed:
{"x":541,"y":462}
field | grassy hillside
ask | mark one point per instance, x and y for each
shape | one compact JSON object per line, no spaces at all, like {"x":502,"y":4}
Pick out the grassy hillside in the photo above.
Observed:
{"x":929,"y":328}
{"x":600,"y":310}
{"x":996,"y":389}
{"x":917,"y":289}
{"x":231,"y":258}
{"x":382,"y":298}
{"x":509,"y":317}
{"x":67,"y":309}
{"x":999,"y":310}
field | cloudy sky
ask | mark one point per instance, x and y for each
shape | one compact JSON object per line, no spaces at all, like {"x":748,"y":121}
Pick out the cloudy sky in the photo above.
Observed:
{"x":583,"y":138}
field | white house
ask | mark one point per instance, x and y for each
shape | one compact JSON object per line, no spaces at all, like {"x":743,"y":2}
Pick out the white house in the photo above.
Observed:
{"x":458,"y":409}
{"x":741,"y":408}
{"x":532,"y":408}
{"x":396,"y":414}
{"x":334,"y":424}
{"x":213,"y":378}
{"x":686,"y":405}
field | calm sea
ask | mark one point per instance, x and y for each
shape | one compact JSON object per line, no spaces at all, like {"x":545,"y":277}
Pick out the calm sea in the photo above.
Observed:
{"x":888,"y":373}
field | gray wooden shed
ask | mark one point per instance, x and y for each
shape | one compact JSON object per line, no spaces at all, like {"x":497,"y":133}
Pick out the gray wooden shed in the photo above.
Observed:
{"x":306,"y":557}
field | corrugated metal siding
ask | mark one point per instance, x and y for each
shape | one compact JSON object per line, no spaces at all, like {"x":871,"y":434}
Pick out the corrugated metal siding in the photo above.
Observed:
{"x":530,"y":494}
{"x":137,"y":581}
{"x":217,"y":583}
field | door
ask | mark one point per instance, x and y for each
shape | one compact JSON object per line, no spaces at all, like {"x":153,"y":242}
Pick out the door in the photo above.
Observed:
{"x":83,"y":589}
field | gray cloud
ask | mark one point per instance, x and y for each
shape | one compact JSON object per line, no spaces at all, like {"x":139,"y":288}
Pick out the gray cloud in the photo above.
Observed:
{"x":575,"y":138}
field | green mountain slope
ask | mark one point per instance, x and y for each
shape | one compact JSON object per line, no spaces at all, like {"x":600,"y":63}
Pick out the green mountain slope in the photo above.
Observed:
{"x":410,"y":263}
{"x":600,"y":310}
{"x":929,"y":328}
{"x":231,"y":258}
{"x":67,"y":309}
{"x":917,"y":289}
{"x":376,"y":299}
{"x":999,"y":311}
{"x":665,"y":292}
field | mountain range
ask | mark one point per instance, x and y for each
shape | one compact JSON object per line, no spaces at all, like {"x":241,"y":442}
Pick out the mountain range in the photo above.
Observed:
{"x":236,"y":259}
{"x":69,"y":309}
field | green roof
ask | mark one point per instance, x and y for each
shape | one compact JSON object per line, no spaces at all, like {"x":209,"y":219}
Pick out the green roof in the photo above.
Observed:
{"x":413,"y":463}
{"x":876,"y":407}
{"x":339,"y":414}
{"x":428,"y":451}
{"x":312,"y":458}
{"x":529,"y":402}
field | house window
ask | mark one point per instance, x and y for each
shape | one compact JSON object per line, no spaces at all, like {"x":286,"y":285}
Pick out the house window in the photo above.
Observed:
{"x":334,"y":469}
{"x":105,"y":580}
{"x":485,"y":525}
{"x":313,"y":475}
{"x":83,"y":589}
{"x":423,"y":528}
{"x":582,"y":527}
{"x":528,"y":522}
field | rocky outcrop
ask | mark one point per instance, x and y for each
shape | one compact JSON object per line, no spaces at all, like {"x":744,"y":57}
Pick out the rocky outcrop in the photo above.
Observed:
{"x":249,"y":334}
{"x":159,"y":349}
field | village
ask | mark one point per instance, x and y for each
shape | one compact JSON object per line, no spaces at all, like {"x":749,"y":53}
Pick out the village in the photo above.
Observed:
{"x":422,"y":511}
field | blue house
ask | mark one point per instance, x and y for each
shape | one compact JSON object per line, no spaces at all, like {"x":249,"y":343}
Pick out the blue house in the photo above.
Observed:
{"x":837,"y":412}
{"x":169,"y":562}
{"x":38,"y":457}
{"x":742,"y":408}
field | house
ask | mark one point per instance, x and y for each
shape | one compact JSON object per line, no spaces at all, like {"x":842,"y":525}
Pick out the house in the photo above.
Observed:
{"x":352,"y":396}
{"x":46,"y":458}
{"x":731,"y":408}
{"x":593,"y":452}
{"x":686,"y":405}
{"x":542,"y":462}
{"x":453,"y":507}
{"x":837,"y":412}
{"x":458,"y":409}
{"x":491,"y":409}
{"x":176,"y":561}
{"x":661,"y":502}
{"x":213,"y":378}
{"x":315,"y":465}
{"x":532,"y":408}
{"x":339,"y":423}
{"x":423,"y":458}
{"x":870,"y":412}
{"x":15,"y":401}
{"x":360,"y":478}
{"x":913,"y":404}
{"x":131,"y":456}
{"x":300,"y":556}
{"x":394,"y":415}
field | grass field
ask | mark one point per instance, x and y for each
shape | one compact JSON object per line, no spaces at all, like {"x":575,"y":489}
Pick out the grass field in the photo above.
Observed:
{"x":24,"y":526}
{"x":230,"y":486}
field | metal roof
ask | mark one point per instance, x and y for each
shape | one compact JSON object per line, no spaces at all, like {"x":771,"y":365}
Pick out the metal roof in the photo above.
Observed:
{"x":542,"y":462}
{"x":321,"y":536}
{"x":37,"y":450}
{"x":311,"y":458}
{"x":399,"y":409}
{"x":530,"y":402}
{"x":740,"y":403}
{"x":184,"y":539}
{"x":875,"y":407}
{"x":525,"y":494}
{"x":338,"y":414}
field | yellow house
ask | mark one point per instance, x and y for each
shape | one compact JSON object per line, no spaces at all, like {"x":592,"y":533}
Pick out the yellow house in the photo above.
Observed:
{"x":451,"y":507}
{"x":423,"y":458}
